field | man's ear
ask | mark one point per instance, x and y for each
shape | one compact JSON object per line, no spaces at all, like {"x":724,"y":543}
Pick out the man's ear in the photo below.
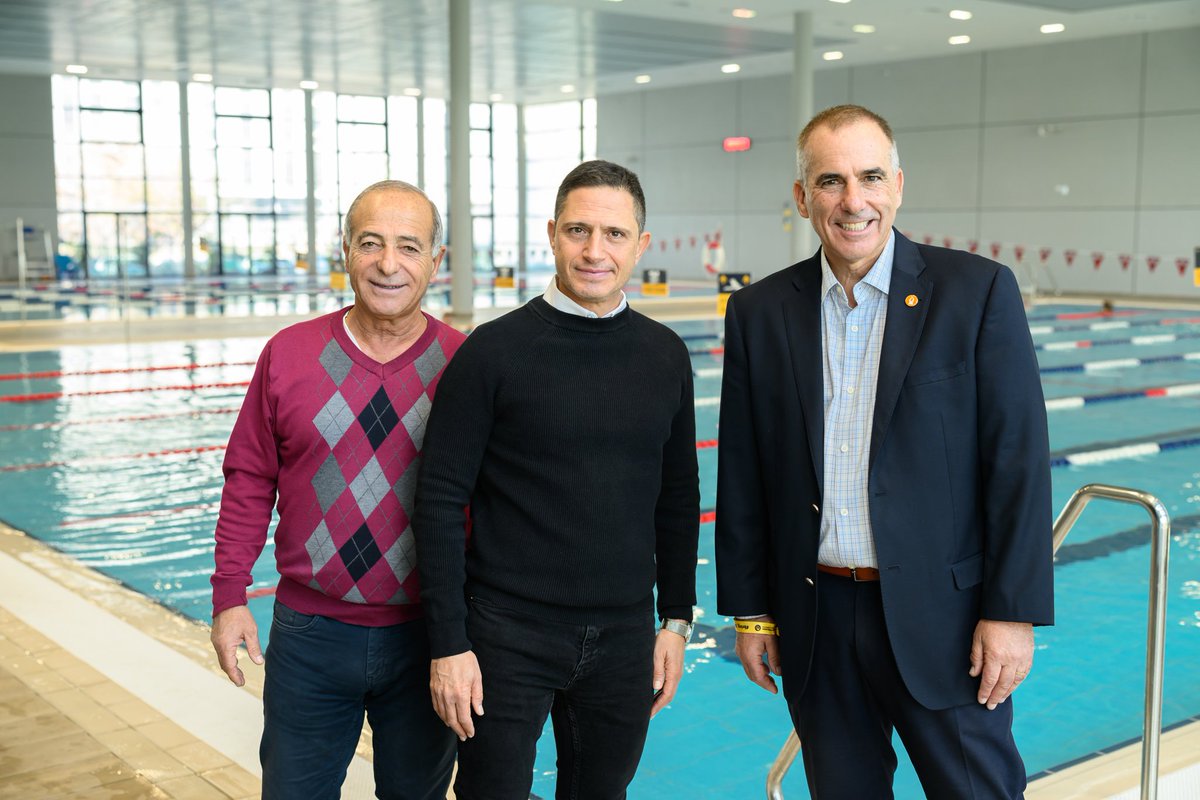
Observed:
{"x":801,"y":198}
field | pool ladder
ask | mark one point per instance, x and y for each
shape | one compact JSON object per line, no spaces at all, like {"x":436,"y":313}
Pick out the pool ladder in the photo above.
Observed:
{"x":1160,"y":540}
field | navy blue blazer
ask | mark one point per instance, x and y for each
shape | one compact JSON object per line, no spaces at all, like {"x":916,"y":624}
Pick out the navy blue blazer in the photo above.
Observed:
{"x":959,"y":485}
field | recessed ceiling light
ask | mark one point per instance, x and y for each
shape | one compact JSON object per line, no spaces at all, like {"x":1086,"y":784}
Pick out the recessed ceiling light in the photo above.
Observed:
{"x":1054,"y":27}
{"x":729,"y":69}
{"x":202,"y":77}
{"x":567,"y":88}
{"x":412,"y":91}
{"x":863,"y":29}
{"x":642,"y":79}
{"x":960,"y":40}
{"x":960,"y":14}
{"x":840,"y":1}
{"x":309,"y":84}
{"x":833,"y":55}
{"x":745,"y":13}
{"x":77,"y":69}
{"x":496,"y":98}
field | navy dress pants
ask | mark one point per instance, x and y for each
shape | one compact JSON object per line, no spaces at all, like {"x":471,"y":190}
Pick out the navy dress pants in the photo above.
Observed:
{"x":322,"y":676}
{"x":855,"y":697}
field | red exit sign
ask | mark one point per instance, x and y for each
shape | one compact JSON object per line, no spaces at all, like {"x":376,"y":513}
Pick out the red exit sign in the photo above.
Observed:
{"x":735,"y":144}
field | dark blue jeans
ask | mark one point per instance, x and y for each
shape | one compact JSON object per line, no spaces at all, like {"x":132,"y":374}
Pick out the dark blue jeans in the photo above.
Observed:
{"x":593,"y":680}
{"x":321,"y":676}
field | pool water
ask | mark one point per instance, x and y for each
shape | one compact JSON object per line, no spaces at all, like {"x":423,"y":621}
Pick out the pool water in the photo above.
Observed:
{"x":113,"y":454}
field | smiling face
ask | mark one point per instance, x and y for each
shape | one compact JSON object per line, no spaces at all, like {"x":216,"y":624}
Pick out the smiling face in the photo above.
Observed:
{"x":596,"y":246}
{"x":850,"y":193}
{"x":390,"y":257}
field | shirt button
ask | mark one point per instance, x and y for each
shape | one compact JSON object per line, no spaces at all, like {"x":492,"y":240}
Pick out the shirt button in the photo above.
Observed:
{"x":845,"y":449}
{"x":845,"y":511}
{"x":854,"y":328}
{"x":850,"y":390}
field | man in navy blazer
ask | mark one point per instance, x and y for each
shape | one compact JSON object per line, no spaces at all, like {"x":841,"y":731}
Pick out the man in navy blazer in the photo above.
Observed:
{"x":883,"y":502}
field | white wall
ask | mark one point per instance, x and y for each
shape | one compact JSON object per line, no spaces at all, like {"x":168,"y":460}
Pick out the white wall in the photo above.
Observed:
{"x":26,"y":163}
{"x":1092,"y":146}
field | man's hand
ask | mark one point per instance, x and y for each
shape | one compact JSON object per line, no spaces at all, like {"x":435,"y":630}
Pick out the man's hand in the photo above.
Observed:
{"x":668,"y":668}
{"x":1002,"y":652}
{"x":230,"y":628}
{"x":456,"y":686}
{"x":750,"y":648}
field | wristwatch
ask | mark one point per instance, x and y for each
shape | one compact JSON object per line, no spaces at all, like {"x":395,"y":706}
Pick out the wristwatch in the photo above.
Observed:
{"x":684,"y":629}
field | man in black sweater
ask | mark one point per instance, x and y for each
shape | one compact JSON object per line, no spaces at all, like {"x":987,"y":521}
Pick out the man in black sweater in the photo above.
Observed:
{"x":568,"y":427}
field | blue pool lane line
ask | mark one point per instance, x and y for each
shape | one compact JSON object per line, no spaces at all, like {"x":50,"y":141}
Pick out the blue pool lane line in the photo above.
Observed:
{"x":1098,"y":452}
{"x":1059,"y":403}
{"x":1149,"y":339}
{"x":1112,"y":324}
{"x":1120,"y":363}
{"x":1079,"y":401}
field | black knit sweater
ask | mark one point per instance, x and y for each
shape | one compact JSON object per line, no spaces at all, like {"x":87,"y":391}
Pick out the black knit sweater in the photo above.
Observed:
{"x":573,"y":442}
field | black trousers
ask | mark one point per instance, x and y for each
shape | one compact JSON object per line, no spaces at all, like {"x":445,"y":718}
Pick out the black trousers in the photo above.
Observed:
{"x":594,"y":681}
{"x":854,"y":698}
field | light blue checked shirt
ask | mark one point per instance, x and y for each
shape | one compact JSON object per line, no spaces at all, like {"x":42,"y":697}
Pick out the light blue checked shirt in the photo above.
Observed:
{"x":852,"y":340}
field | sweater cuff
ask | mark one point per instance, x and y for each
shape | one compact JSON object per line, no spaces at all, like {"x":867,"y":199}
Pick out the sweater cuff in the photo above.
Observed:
{"x":227,"y":594}
{"x":675,"y":612}
{"x":448,"y":640}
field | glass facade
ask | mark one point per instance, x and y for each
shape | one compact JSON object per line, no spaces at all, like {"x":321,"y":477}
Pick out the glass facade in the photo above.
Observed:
{"x":120,"y":182}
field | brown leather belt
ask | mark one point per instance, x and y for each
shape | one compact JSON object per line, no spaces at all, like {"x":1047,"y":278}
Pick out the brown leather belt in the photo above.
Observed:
{"x":859,"y":574}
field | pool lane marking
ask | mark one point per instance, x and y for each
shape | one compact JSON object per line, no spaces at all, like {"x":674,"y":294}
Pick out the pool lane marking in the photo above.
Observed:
{"x":1098,"y":314}
{"x":157,"y":512}
{"x":1120,"y":363}
{"x":1087,"y":366}
{"x":1042,"y":330}
{"x":45,"y":426}
{"x":17,"y":376}
{"x":75,"y":462}
{"x":40,"y":396}
{"x":1178,"y":390}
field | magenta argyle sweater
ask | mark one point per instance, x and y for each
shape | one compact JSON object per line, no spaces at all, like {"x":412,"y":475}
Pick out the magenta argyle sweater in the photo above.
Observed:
{"x":335,"y":438}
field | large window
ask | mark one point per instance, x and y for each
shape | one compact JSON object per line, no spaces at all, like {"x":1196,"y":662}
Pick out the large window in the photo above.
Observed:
{"x":100,"y":161}
{"x":121,"y":185}
{"x":557,"y":137}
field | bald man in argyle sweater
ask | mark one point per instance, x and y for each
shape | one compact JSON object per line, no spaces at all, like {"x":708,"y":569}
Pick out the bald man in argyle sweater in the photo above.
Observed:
{"x":330,"y":434}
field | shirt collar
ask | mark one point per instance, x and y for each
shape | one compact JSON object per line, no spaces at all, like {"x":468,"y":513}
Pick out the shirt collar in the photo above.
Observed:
{"x":554,"y":296}
{"x":879,"y":276}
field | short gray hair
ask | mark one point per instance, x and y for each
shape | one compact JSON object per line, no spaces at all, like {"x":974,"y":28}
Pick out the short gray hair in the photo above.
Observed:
{"x":836,"y":117}
{"x":393,"y":186}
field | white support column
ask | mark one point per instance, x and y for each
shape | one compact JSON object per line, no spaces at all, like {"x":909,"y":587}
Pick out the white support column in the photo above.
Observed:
{"x":522,"y":206}
{"x":185,"y":176}
{"x":310,"y":200}
{"x":462,"y":261}
{"x":802,"y":105}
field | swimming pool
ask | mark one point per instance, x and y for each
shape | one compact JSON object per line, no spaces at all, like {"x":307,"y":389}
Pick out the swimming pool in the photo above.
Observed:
{"x":112,"y":454}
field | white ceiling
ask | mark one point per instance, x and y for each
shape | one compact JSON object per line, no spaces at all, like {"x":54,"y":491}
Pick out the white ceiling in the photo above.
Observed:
{"x":523,"y":50}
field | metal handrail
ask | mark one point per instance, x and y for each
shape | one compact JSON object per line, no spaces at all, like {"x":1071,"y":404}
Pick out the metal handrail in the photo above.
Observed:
{"x":1160,"y":539}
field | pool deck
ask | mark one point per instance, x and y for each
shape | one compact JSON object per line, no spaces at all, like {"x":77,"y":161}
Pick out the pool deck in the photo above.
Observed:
{"x":106,"y":694}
